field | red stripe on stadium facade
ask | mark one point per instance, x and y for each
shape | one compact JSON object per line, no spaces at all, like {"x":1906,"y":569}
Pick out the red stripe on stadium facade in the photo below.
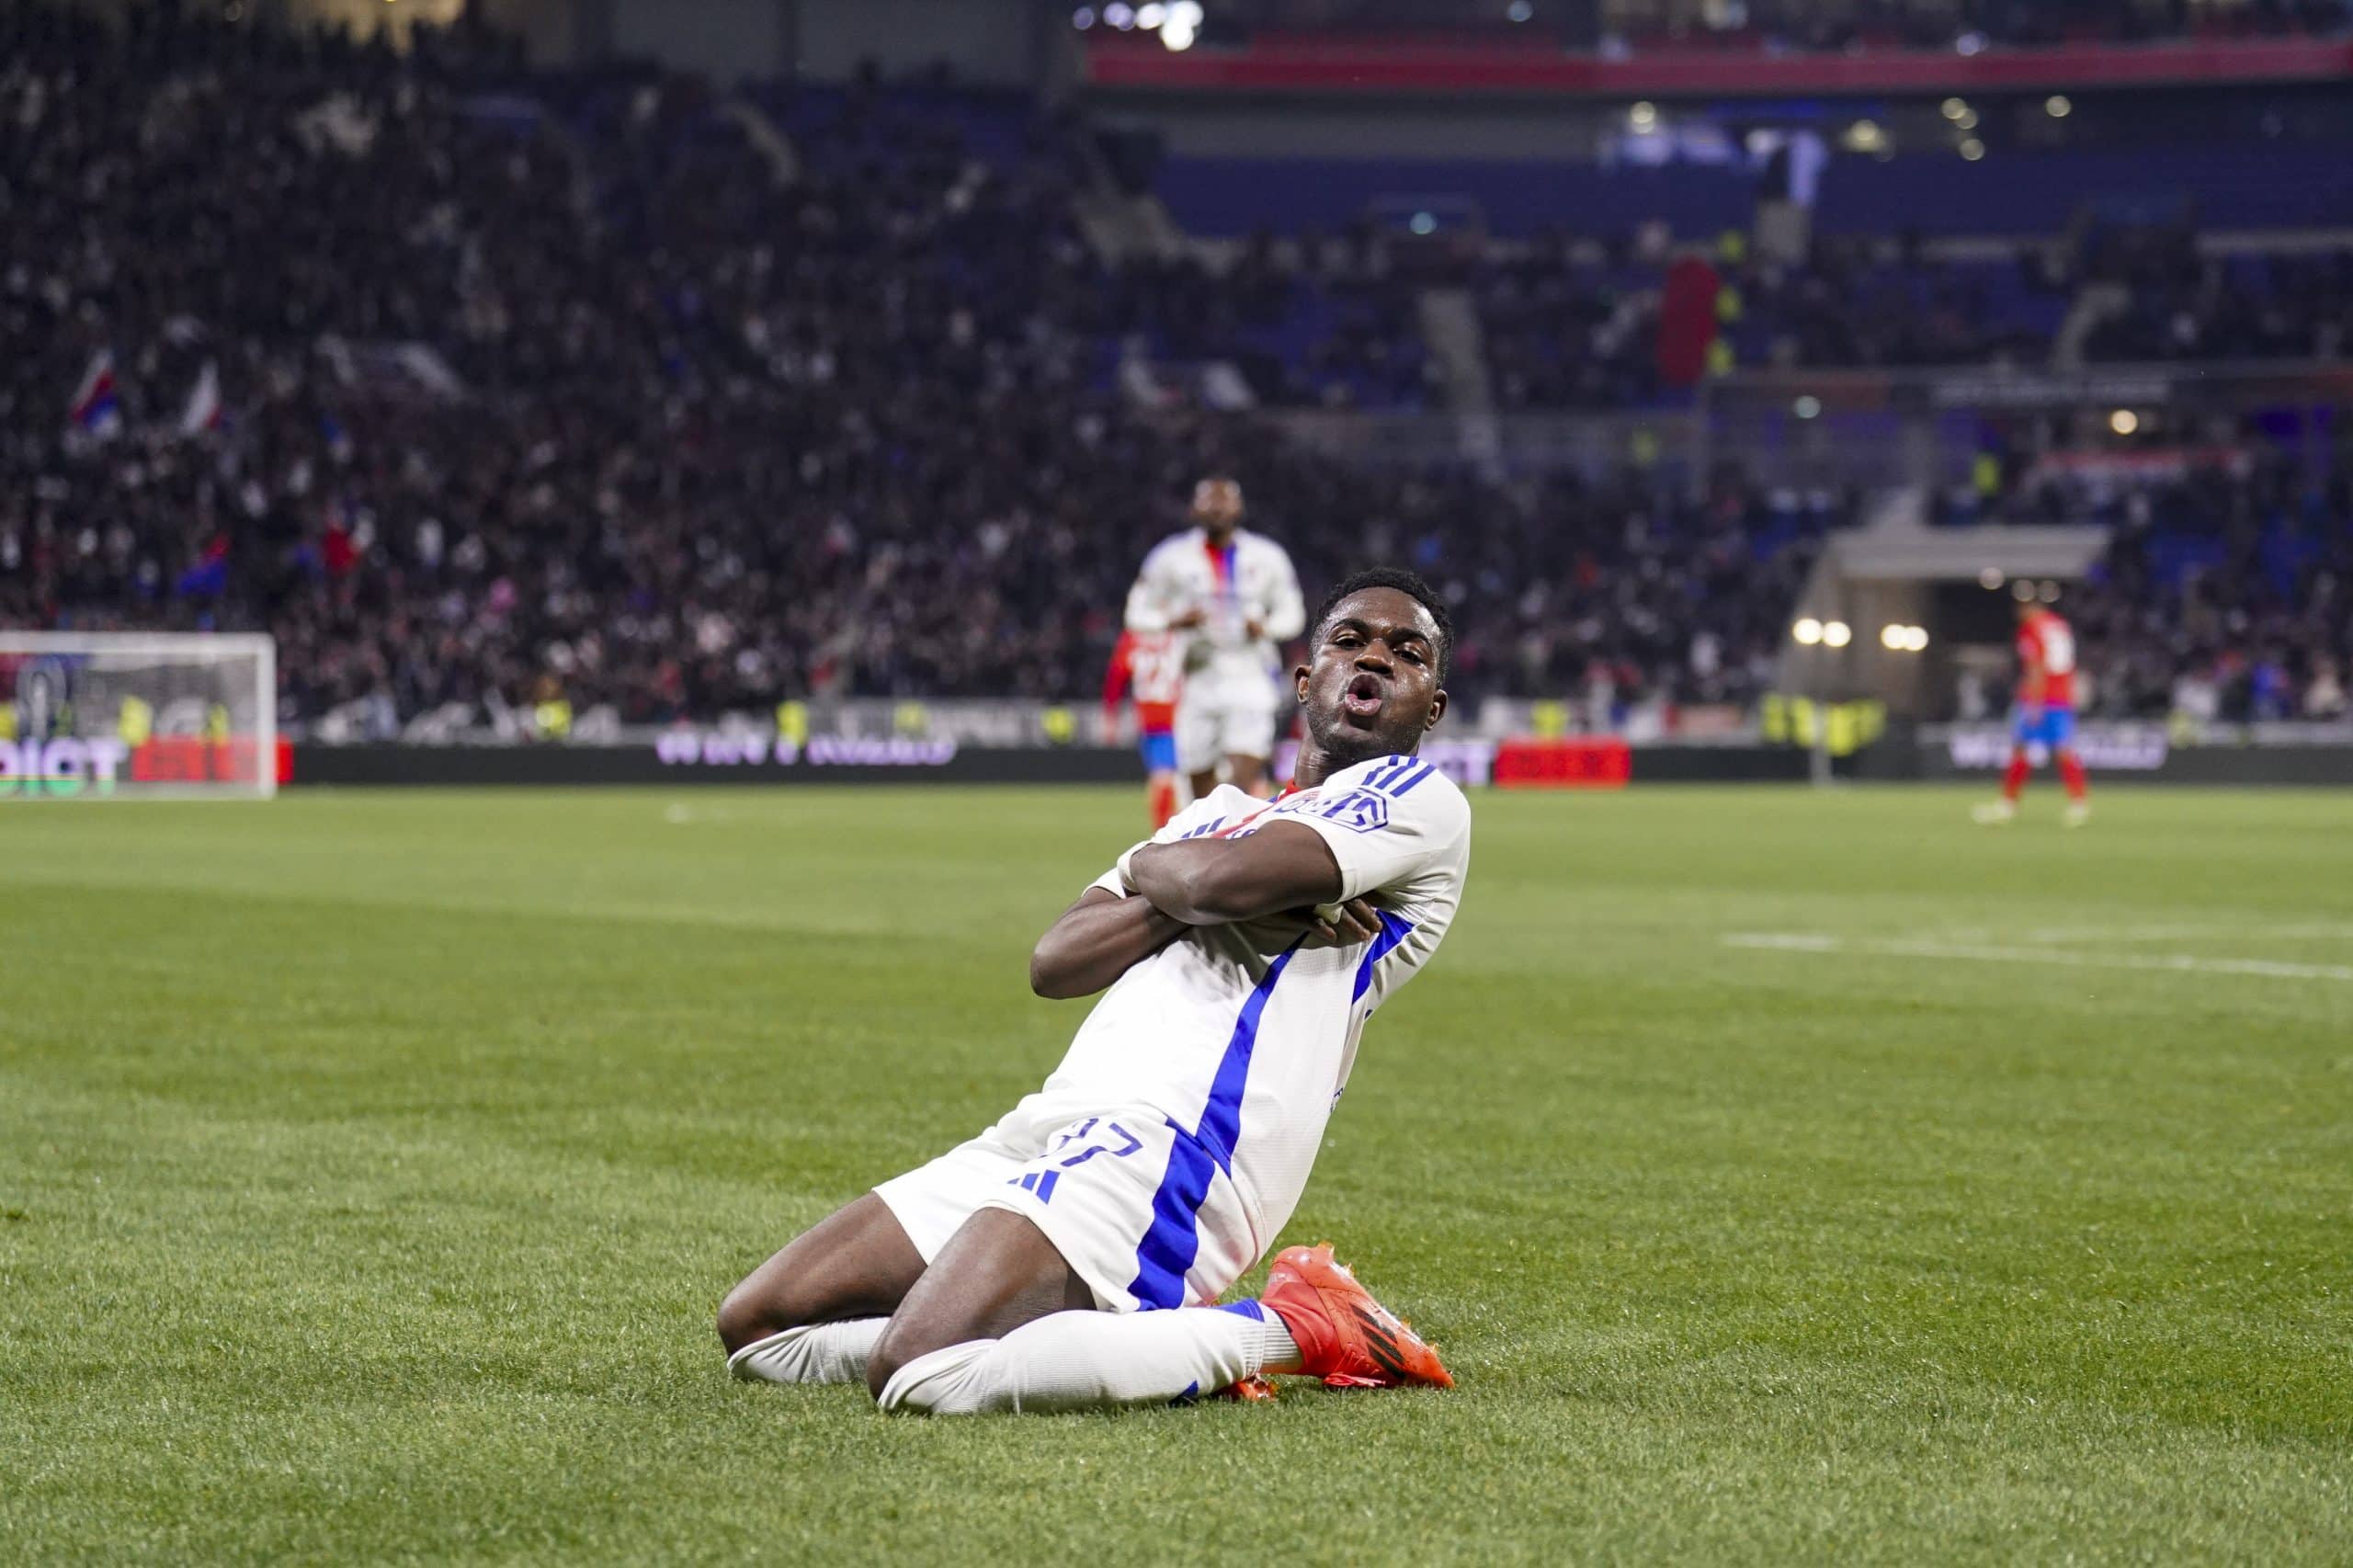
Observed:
{"x":1291,"y":65}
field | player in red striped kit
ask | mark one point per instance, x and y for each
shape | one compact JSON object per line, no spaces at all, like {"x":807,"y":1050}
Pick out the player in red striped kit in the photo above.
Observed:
{"x":1150,"y":664}
{"x":2045,"y":714}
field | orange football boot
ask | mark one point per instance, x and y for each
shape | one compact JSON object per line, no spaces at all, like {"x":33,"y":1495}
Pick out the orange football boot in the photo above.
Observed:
{"x":1253,"y":1390}
{"x":1345,"y":1336}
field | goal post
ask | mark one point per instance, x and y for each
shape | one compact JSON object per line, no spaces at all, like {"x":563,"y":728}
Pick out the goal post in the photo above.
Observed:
{"x":107,"y":715}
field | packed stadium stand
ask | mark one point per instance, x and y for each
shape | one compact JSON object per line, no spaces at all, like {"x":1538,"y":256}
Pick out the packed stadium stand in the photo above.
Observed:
{"x":474,"y":382}
{"x":2223,"y":593}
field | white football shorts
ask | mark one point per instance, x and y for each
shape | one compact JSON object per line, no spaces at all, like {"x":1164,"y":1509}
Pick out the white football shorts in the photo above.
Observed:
{"x":1224,"y":714}
{"x":1141,"y":1210}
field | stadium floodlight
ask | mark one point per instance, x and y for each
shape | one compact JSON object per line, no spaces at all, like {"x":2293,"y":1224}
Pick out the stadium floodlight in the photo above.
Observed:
{"x":1520,"y":10}
{"x":1955,"y":107}
{"x":1187,"y":13}
{"x":1968,"y":121}
{"x":1119,"y":14}
{"x":2058,"y":105}
{"x":1808,"y":631}
{"x":2124,"y":422}
{"x":1150,"y":14}
{"x":1990,"y":577}
{"x":1969,"y":43}
{"x":1891,"y":637}
{"x":120,"y":715}
{"x":1178,"y":38}
{"x":1973,"y":149}
{"x":1836,"y":634}
{"x":1807,"y":407}
{"x":1083,"y":18}
{"x":1643,"y":118}
{"x":1915,"y":640}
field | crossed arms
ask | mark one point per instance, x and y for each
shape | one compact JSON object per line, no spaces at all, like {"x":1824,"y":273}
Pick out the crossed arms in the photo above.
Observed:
{"x":1284,"y":869}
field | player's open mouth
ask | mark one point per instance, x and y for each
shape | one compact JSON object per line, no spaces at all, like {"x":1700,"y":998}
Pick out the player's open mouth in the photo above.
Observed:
{"x":1363,"y":697}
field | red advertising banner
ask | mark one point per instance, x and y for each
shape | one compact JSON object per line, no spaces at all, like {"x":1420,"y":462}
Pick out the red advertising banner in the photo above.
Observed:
{"x":1597,"y":762}
{"x":192,"y":760}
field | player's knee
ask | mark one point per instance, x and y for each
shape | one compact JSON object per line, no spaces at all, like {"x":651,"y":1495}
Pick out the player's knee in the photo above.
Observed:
{"x":883,"y":1364}
{"x":901,"y":1342}
{"x":749,"y":1315}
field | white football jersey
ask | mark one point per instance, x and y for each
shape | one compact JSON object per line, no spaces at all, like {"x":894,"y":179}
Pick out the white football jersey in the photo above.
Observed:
{"x":1241,"y":1037}
{"x":1253,"y":580}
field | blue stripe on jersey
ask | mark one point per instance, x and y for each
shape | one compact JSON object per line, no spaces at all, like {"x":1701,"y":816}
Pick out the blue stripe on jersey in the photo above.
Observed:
{"x":1394,"y":769}
{"x":1169,"y":1247}
{"x":1245,"y":1309}
{"x":1392,"y":931}
{"x":1428,"y":768}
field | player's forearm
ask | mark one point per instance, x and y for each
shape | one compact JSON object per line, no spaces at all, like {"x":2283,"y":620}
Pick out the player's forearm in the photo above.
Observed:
{"x":1218,"y":882}
{"x":1285,"y":619}
{"x":1096,"y":940}
{"x":1145,"y":612}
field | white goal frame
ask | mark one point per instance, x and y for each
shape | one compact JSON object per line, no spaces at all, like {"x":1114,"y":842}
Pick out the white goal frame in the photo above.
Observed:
{"x":188,"y":647}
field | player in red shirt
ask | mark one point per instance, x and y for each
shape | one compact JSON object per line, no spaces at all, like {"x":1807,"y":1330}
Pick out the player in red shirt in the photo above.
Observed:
{"x":2045,"y":714}
{"x":1151,"y":666}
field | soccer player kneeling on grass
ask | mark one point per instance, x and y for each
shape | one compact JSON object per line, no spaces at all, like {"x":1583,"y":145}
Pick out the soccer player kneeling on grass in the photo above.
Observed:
{"x":1071,"y":1256}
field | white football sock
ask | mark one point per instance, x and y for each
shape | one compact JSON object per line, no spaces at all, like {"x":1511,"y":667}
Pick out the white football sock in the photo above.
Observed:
{"x":819,"y":1353}
{"x":1085,"y":1360}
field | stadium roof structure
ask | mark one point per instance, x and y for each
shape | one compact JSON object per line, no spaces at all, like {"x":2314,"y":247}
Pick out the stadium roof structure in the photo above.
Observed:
{"x":1910,"y":551}
{"x":1899,"y":571}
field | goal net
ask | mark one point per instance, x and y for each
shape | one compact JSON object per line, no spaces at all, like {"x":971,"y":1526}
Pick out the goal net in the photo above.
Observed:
{"x":95,"y":715}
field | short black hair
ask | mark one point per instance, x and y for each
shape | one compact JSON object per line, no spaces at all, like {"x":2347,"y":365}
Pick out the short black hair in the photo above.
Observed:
{"x":1412,"y":584}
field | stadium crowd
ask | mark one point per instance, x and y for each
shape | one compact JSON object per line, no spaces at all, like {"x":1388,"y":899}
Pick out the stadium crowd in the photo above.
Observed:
{"x":2226,"y":593}
{"x":721,"y":437}
{"x":475,"y":387}
{"x":1571,"y":325}
{"x":1321,"y":322}
{"x":1575,"y":325}
{"x":2180,"y":303}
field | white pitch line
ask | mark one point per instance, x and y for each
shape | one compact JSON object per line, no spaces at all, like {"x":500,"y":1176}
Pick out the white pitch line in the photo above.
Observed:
{"x":2299,"y":931}
{"x":679,"y":814}
{"x":1785,"y":941}
{"x":2172,"y":963}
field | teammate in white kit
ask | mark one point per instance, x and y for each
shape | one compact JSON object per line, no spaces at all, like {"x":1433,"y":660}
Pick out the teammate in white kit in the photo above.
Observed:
{"x":1068,"y":1257}
{"x":1235,"y":596}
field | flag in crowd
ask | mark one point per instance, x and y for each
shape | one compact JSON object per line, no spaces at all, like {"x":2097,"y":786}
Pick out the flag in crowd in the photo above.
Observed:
{"x":202,"y":410}
{"x":96,"y":408}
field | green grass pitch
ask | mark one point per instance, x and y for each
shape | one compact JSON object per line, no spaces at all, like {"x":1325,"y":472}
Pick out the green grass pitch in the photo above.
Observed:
{"x":1788,"y":1176}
